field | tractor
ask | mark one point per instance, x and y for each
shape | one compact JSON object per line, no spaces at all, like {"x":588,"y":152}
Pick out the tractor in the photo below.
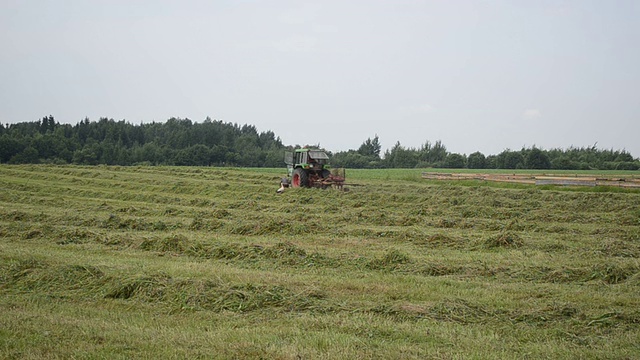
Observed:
{"x":309,"y":168}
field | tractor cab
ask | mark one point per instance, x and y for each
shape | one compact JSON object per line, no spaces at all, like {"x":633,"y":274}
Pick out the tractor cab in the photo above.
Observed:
{"x":309,"y":168}
{"x":308,"y":159}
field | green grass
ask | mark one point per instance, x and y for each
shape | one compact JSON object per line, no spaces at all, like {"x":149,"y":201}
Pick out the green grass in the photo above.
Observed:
{"x":171,"y":262}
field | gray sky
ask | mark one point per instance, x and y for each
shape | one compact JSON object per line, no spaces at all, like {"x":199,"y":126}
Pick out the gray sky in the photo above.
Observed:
{"x":478,"y":75}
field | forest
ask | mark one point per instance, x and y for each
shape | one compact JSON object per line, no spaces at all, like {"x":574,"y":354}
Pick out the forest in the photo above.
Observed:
{"x":183,"y":142}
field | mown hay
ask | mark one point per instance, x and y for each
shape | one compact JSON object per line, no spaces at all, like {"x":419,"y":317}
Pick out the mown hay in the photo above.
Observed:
{"x":76,"y":236}
{"x":550,"y":313}
{"x":613,"y":273}
{"x":150,"y":288}
{"x":447,"y":223}
{"x":506,"y":239}
{"x":455,"y":310}
{"x":201,"y":224}
{"x":12,"y":270}
{"x":460,"y":311}
{"x":115,"y":222}
{"x":35,"y":275}
{"x":284,"y":249}
{"x":608,"y":273}
{"x":175,"y":243}
{"x":212,"y":296}
{"x":389,"y":261}
{"x":619,"y":248}
{"x":285,"y":253}
{"x":439,"y":269}
{"x":441,"y":240}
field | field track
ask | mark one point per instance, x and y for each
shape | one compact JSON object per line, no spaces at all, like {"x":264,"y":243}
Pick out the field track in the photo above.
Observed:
{"x":624,"y":181}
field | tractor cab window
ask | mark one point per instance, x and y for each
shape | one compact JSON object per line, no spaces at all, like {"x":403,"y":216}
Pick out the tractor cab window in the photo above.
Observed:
{"x":288,"y":157}
{"x":319,"y":157}
{"x":301,"y":158}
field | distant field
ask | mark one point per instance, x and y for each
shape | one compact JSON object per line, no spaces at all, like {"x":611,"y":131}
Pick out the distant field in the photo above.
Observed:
{"x":407,"y":174}
{"x":180,"y":262}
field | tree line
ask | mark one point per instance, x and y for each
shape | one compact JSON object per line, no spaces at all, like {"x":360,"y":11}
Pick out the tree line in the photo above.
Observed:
{"x":174,"y":142}
{"x":368,"y":155}
{"x":216,"y":143}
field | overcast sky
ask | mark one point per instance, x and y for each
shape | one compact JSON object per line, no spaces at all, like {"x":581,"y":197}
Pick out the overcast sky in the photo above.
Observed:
{"x":477,"y":75}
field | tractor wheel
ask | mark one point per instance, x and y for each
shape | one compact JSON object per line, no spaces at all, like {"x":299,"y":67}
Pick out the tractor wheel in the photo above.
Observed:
{"x":326,"y":173}
{"x":300,"y":178}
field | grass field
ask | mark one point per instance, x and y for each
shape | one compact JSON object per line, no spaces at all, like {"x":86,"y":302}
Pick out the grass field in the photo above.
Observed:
{"x":171,"y":262}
